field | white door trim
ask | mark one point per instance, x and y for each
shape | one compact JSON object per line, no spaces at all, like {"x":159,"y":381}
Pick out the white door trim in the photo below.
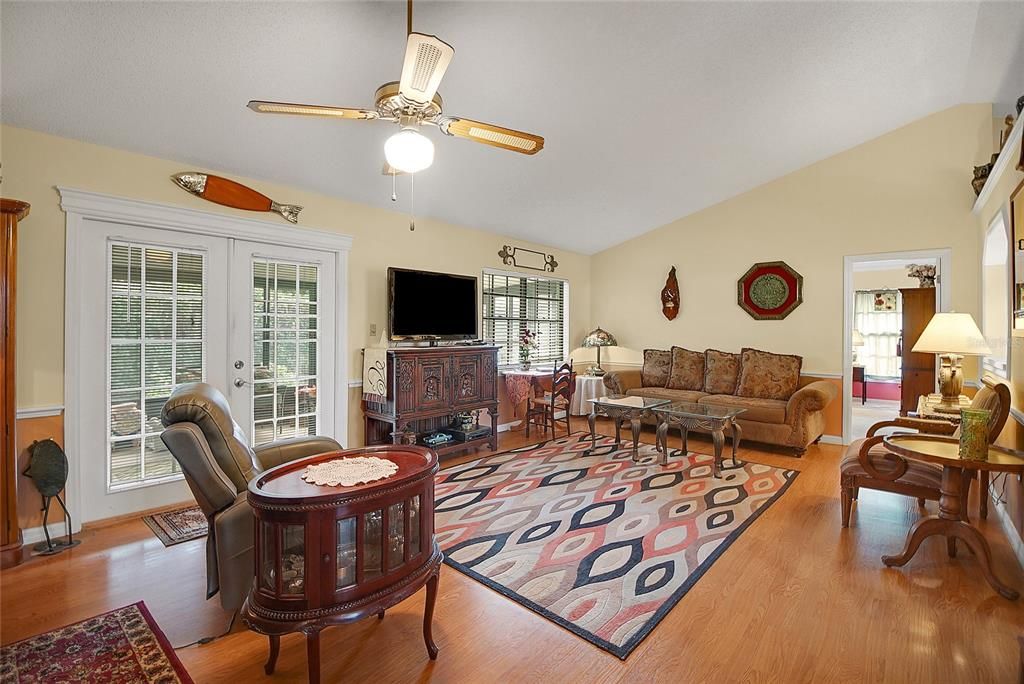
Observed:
{"x":944,"y":256}
{"x":82,"y":205}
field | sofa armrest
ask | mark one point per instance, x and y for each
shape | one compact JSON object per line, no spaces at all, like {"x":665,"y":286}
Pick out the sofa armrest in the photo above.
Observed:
{"x":285,"y":450}
{"x":814,"y":396}
{"x":621,"y":381}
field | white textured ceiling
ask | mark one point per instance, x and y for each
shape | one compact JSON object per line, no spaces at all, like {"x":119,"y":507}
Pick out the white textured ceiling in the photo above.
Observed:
{"x":651,"y":111}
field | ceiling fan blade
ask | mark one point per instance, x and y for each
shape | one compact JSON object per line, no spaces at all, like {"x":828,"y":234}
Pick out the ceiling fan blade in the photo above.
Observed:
{"x":264,"y":107}
{"x":489,"y":134}
{"x":426,"y":60}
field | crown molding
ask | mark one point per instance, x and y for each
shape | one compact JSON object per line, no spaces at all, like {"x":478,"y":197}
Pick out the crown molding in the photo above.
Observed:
{"x":1007,"y":159}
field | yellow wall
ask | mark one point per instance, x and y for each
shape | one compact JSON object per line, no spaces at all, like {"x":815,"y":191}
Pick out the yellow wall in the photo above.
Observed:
{"x":33,"y":163}
{"x":890,"y":278}
{"x":909,"y":189}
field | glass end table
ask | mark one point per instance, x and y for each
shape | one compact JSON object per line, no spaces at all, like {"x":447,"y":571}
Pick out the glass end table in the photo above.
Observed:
{"x":705,"y":417}
{"x":621,"y":408}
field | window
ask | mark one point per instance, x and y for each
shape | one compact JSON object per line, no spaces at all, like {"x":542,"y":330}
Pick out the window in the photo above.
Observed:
{"x":513,"y":303}
{"x":156,"y":340}
{"x":879,"y":325}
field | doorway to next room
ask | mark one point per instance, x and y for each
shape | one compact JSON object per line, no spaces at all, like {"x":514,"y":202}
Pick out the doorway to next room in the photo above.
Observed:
{"x":886,"y":301}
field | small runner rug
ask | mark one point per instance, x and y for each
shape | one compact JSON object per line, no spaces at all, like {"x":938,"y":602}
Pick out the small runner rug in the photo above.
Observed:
{"x":598,"y":544}
{"x":179,"y":525}
{"x":120,"y":647}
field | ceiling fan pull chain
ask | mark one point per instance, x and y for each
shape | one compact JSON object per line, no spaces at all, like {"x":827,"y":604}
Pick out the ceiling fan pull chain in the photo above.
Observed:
{"x":412,"y":201}
{"x":394,"y":194}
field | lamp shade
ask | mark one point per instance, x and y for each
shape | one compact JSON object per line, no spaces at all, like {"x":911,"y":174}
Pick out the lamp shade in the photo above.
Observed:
{"x":600,"y":338}
{"x":858,"y":339}
{"x":952,"y":333}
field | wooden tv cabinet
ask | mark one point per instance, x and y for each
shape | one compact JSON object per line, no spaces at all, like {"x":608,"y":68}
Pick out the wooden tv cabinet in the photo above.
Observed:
{"x":427,"y":386}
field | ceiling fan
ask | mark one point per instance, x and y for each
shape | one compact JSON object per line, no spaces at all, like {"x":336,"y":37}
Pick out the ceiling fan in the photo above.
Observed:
{"x":411,"y":103}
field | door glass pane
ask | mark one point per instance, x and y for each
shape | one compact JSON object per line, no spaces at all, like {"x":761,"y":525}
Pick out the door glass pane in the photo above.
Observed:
{"x":396,"y":534}
{"x":156,"y":339}
{"x":267,"y":556}
{"x":285,"y":323}
{"x":371,"y":545}
{"x":293,"y":558}
{"x":414,"y":525}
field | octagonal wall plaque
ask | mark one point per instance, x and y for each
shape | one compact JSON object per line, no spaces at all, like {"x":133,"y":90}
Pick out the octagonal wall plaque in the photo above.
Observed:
{"x":770,"y":290}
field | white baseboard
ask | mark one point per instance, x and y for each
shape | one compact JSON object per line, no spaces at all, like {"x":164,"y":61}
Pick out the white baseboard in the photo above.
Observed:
{"x":505,"y":427}
{"x":34,"y":535}
{"x":832,"y":439}
{"x":1012,"y":535}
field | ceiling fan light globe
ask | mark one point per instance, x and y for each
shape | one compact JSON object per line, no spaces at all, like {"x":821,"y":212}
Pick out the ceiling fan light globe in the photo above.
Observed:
{"x":409,"y":151}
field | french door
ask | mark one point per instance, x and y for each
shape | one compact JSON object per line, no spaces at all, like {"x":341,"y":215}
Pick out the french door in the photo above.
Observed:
{"x":255,"y":320}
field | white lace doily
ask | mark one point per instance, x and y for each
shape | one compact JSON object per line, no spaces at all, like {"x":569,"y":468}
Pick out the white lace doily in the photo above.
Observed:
{"x":347,"y":472}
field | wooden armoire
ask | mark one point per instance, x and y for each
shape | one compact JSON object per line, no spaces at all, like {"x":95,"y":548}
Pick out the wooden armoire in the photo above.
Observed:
{"x":918,"y":376}
{"x":13,"y":211}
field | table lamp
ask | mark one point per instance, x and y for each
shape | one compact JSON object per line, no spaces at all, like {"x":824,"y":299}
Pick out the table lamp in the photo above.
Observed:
{"x":858,"y":341}
{"x":951,"y":336}
{"x":599,"y":338}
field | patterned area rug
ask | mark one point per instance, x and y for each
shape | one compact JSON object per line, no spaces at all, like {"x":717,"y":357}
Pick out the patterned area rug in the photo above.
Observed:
{"x":120,"y":647}
{"x":600,"y":545}
{"x":179,"y":525}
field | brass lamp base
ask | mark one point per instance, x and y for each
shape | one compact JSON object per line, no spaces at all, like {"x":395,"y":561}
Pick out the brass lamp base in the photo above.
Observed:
{"x":951,"y":383}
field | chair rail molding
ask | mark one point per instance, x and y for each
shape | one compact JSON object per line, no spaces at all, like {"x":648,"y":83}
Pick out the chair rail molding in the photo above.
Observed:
{"x":85,"y":207}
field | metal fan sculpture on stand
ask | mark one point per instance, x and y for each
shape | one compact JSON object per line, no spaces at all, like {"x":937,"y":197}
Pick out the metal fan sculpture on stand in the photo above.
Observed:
{"x":48,"y":470}
{"x":411,"y":103}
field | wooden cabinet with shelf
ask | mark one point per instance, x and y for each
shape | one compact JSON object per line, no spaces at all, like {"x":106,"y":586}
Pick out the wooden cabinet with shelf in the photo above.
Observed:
{"x":918,"y":370}
{"x":331,"y":555}
{"x":427,"y":386}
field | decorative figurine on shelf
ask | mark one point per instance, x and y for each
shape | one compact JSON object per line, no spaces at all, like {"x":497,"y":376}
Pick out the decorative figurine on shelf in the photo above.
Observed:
{"x":925,"y":274}
{"x":527,"y":343}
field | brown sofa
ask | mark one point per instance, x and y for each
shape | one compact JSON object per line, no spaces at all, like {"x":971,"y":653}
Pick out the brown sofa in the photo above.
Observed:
{"x":780,"y":409}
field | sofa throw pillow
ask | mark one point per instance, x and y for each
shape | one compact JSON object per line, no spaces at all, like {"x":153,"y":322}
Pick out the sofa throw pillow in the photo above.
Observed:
{"x":687,"y":371}
{"x":721,"y":369}
{"x":657,"y":364}
{"x":769,"y":376}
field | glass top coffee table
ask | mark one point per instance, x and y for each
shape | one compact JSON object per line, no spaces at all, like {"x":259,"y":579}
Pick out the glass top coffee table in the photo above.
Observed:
{"x":704,"y":417}
{"x":620,"y":409}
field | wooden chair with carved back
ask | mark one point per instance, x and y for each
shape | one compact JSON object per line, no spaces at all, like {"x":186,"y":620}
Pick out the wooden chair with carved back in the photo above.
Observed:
{"x":869,"y":464}
{"x":542,"y":409}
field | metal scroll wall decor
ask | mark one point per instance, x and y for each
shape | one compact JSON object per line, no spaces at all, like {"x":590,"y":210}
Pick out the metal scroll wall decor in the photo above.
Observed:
{"x":670,"y":296}
{"x":770,"y":290}
{"x":521,"y":257}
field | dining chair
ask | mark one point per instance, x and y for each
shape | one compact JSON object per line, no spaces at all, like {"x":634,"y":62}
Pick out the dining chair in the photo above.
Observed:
{"x":542,"y":409}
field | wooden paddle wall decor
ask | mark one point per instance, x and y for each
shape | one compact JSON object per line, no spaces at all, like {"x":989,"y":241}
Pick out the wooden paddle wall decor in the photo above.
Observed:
{"x":231,"y":194}
{"x":670,"y":296}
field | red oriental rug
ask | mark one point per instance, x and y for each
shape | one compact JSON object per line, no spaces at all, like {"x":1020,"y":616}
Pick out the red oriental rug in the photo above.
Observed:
{"x":597,"y":544}
{"x":120,"y":647}
{"x":178,"y":525}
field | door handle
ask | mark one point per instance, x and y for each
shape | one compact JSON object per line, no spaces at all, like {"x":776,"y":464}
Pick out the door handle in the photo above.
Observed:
{"x":239,"y":382}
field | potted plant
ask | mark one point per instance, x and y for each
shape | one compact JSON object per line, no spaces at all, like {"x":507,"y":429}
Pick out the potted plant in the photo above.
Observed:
{"x":527,"y":343}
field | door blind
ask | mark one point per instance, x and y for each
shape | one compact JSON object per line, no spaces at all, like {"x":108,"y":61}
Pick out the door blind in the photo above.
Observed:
{"x":513,"y":304}
{"x":156,"y":340}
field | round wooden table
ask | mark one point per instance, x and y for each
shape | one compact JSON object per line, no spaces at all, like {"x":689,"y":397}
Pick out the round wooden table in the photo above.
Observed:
{"x":944,"y":451}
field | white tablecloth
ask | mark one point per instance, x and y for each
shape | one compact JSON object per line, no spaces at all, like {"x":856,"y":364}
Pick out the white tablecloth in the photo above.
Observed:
{"x":587,"y":387}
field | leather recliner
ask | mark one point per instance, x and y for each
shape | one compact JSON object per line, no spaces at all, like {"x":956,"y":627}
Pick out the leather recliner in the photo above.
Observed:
{"x":218,"y":464}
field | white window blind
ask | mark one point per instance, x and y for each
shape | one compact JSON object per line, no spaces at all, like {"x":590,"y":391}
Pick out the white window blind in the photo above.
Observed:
{"x":881,"y":332}
{"x":156,"y":337}
{"x":513,"y":303}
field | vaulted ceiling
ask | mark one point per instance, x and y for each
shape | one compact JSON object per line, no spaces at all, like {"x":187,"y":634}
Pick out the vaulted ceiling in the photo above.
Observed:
{"x":651,"y":110}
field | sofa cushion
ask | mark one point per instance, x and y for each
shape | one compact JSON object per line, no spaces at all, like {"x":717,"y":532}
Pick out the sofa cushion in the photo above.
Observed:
{"x":721,"y":369}
{"x":764,"y":375}
{"x":690,"y":396}
{"x":919,"y":474}
{"x":657,"y":364}
{"x":687,"y":371}
{"x":760,"y":410}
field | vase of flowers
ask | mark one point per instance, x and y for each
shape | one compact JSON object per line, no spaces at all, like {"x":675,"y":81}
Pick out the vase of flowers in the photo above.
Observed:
{"x":925,"y":274}
{"x":527,"y":343}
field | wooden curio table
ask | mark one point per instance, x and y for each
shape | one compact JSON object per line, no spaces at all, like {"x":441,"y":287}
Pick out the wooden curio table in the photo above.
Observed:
{"x":949,"y":523}
{"x":331,"y":555}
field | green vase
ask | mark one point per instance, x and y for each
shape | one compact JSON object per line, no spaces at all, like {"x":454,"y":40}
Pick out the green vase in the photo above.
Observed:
{"x":974,"y":434}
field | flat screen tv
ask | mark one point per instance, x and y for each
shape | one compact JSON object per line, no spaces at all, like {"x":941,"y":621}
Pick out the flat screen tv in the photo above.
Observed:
{"x":431,"y":306}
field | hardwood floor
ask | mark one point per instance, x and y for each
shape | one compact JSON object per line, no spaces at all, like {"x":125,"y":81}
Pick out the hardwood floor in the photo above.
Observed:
{"x":794,"y":599}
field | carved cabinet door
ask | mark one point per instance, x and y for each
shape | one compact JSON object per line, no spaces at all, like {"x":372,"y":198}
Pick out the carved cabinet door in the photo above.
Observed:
{"x":433,"y":382}
{"x":467,"y":389}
